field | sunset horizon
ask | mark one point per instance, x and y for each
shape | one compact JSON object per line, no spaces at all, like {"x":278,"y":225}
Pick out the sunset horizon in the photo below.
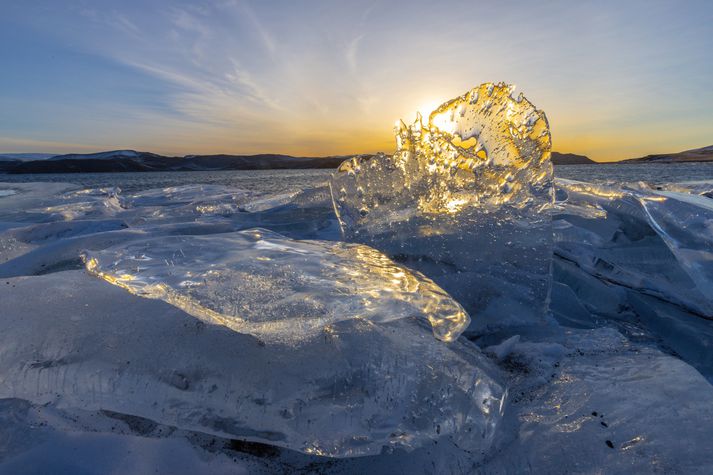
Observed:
{"x":356,"y":237}
{"x":331,"y":78}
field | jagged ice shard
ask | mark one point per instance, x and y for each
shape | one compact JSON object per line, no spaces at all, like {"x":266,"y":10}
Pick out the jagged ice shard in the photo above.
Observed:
{"x":278,"y":289}
{"x":465,"y":200}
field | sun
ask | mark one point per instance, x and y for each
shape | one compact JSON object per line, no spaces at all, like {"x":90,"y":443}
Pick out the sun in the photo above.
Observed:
{"x":428,"y":106}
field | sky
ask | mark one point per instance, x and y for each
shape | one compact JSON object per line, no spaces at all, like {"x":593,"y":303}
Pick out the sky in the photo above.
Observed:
{"x":616,"y":79}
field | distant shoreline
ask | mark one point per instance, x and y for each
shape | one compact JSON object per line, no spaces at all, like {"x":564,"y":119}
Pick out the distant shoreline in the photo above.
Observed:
{"x":80,"y":172}
{"x":118,"y":161}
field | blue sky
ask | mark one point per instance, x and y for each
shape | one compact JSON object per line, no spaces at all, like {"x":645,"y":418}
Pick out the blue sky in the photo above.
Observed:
{"x":616,"y":79}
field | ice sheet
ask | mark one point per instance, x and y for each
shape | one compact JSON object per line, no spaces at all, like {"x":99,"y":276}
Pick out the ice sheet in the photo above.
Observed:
{"x":89,"y":371}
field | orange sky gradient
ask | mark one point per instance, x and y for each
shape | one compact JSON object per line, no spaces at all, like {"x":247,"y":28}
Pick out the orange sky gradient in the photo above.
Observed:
{"x":615,"y":80}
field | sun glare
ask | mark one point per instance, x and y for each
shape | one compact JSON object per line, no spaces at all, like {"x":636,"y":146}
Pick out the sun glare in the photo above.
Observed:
{"x":426,"y":107}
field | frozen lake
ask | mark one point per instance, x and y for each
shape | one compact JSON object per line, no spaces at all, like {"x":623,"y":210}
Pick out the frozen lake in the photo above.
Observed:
{"x":251,"y":321}
{"x":284,"y":181}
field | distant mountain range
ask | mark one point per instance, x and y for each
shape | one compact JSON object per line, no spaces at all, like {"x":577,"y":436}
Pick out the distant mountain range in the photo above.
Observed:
{"x":25,"y":156}
{"x":703,"y":154}
{"x":133,"y":161}
{"x":571,"y":159}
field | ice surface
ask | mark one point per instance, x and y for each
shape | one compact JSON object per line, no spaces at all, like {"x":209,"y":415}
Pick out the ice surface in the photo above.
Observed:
{"x":346,"y":362}
{"x":575,"y":393}
{"x":194,"y":199}
{"x":90,"y":365}
{"x":89,"y":372}
{"x":41,"y":439}
{"x":465,"y":200}
{"x":657,"y":242}
{"x":78,"y":343}
{"x":45,"y":227}
{"x":699,"y":187}
{"x":25,"y":202}
{"x":637,"y":258}
{"x":259,"y":282}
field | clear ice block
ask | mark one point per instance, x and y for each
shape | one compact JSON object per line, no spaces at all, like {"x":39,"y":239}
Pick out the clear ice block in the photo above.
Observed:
{"x":259,"y":282}
{"x":466,"y":200}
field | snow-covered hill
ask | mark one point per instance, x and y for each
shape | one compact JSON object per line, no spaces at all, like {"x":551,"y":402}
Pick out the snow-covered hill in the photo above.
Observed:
{"x":25,"y":156}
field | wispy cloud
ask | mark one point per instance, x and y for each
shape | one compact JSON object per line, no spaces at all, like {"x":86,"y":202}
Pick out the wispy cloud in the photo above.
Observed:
{"x":238,"y":73}
{"x":19,"y":144}
{"x":122,"y":22}
{"x":243,"y":79}
{"x":351,"y":53}
{"x":267,"y":39}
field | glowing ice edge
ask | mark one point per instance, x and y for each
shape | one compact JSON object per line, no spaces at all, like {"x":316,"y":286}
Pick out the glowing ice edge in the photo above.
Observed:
{"x":465,"y":199}
{"x":224,"y":279}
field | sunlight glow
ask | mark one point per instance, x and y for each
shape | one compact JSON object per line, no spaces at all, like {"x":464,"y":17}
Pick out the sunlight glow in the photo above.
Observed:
{"x":428,"y":106}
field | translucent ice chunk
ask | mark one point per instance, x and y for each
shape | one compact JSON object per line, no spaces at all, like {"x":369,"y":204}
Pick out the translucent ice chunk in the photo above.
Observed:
{"x":465,"y":199}
{"x":657,"y":242}
{"x":178,"y":203}
{"x":357,"y":388}
{"x":698,"y":187}
{"x":28,"y":201}
{"x":259,"y":282}
{"x":176,"y":196}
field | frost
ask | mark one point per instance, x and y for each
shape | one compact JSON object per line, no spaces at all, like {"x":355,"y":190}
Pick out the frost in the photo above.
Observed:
{"x":465,"y":200}
{"x":259,"y":282}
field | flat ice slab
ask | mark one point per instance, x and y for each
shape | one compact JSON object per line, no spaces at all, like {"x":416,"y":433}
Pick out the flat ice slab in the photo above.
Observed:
{"x":79,"y":343}
{"x":259,"y":282}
